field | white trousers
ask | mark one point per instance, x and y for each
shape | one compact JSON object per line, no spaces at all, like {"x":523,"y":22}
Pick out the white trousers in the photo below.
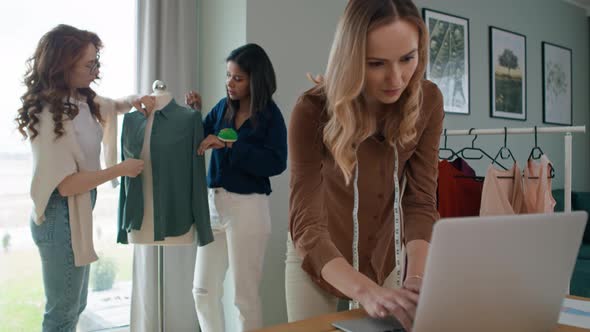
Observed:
{"x":304,"y":298}
{"x":241,"y":226}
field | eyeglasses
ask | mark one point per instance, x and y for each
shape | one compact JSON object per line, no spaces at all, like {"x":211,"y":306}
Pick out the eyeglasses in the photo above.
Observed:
{"x":94,"y":68}
{"x":95,"y":65}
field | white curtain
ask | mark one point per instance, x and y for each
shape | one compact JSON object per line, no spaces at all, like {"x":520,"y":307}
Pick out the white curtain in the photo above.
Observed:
{"x":167,"y":51}
{"x":167,"y":45}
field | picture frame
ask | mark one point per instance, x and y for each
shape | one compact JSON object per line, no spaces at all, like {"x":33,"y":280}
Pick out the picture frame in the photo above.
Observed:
{"x":508,"y":79}
{"x":557,"y":84}
{"x":448,"y":65}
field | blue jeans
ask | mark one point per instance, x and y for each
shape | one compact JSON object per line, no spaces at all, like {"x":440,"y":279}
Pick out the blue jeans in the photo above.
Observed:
{"x":66,"y":285}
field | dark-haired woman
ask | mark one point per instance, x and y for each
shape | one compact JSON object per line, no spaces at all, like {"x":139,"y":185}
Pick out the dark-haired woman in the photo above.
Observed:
{"x":239,"y":185}
{"x":65,"y":122}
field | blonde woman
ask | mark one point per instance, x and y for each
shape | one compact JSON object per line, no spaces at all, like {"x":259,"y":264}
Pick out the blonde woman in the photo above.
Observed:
{"x":363,"y":147}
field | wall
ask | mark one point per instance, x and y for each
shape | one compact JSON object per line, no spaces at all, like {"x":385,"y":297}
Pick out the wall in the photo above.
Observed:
{"x":569,"y":28}
{"x":298,"y":35}
{"x":222,"y":29}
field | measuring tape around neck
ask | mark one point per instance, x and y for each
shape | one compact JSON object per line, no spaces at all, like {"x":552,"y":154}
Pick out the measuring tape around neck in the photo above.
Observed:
{"x":397,"y":225}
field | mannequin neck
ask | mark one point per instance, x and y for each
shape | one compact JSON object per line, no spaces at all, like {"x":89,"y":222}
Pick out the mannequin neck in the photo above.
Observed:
{"x":162,"y":99}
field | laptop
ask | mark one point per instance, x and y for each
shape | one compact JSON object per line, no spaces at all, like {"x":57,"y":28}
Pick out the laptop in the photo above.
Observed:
{"x":498,"y":273}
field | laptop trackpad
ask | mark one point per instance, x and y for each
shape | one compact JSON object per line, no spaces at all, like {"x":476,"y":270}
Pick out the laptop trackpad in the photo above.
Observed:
{"x":369,"y":324}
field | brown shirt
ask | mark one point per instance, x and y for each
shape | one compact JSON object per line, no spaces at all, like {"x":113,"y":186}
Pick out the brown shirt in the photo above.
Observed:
{"x":321,"y":204}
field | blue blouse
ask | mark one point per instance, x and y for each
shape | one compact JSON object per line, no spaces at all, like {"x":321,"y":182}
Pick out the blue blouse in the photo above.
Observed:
{"x":259,"y":153}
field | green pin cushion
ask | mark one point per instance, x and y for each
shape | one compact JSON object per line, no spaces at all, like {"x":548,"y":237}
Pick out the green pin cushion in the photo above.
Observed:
{"x":227,"y":135}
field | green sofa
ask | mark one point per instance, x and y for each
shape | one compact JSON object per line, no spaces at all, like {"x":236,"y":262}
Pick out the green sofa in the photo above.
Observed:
{"x":580,"y":283}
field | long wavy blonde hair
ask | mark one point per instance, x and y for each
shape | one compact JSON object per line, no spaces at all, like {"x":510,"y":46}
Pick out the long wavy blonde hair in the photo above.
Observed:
{"x":348,"y":123}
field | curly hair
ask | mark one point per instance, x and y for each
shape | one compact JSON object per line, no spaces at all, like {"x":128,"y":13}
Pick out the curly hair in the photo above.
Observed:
{"x":343,"y":83}
{"x":47,"y":76}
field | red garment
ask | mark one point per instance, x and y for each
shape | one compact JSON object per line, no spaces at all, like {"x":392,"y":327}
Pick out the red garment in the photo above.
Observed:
{"x":458,"y":195}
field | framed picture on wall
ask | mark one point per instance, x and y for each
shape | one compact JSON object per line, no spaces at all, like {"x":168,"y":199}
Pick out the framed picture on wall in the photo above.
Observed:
{"x":557,"y":84}
{"x":448,"y":64}
{"x":507,"y":74}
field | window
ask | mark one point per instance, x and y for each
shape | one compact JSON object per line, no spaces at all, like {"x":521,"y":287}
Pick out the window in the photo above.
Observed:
{"x":22,"y":23}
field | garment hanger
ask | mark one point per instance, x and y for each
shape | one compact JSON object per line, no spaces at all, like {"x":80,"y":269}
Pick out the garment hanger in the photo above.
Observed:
{"x":505,"y":149}
{"x":452,"y":155}
{"x":482,"y":153}
{"x":536,"y":148}
{"x":533,"y":156}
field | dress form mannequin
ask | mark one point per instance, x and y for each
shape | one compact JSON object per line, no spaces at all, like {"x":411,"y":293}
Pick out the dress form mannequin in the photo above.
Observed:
{"x":145,"y":235}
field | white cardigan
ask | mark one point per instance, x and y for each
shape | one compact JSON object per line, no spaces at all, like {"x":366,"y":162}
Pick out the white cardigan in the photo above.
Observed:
{"x":55,"y":159}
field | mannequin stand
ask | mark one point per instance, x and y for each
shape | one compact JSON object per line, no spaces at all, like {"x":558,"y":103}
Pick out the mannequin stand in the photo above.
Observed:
{"x":146,"y":235}
{"x":160,"y":86}
{"x":161,"y":287}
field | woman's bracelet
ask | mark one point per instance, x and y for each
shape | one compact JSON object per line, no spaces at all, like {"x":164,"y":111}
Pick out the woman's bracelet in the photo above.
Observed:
{"x":416,"y":276}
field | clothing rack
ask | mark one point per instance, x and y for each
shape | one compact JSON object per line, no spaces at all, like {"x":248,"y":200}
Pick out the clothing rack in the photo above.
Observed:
{"x":568,"y":131}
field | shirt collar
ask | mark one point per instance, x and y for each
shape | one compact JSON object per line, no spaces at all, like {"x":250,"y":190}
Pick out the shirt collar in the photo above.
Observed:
{"x":163,"y":112}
